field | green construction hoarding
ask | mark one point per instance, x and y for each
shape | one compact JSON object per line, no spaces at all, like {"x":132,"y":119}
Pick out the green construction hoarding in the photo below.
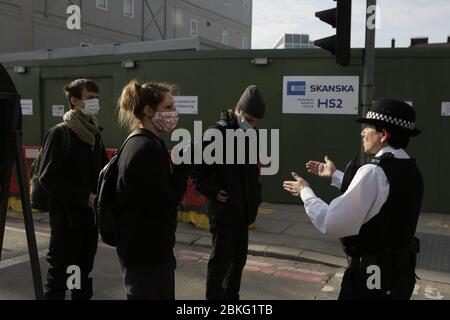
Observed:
{"x":214,"y":80}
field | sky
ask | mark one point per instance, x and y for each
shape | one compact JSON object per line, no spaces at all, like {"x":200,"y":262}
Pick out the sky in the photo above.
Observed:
{"x":399,"y":19}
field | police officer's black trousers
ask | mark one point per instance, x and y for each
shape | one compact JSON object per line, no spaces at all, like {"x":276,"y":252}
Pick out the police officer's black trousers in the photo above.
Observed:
{"x":354,"y":286}
{"x":226,"y":263}
{"x":71,"y":247}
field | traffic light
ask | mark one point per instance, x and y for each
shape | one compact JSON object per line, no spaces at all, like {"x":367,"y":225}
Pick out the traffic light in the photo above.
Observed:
{"x":339,"y":18}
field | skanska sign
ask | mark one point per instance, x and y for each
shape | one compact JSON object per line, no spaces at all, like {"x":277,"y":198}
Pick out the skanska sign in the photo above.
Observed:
{"x":321,"y":95}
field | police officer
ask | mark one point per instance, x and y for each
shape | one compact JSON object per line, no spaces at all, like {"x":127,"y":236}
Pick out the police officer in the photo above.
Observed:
{"x":233,"y":192}
{"x":377,"y":215}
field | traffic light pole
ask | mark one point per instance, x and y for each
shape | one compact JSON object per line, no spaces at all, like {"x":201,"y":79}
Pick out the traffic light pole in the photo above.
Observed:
{"x":368,"y":87}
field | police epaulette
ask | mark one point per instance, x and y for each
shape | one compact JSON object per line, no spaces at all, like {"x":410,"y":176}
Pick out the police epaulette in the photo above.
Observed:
{"x":377,"y":160}
{"x":222,"y":123}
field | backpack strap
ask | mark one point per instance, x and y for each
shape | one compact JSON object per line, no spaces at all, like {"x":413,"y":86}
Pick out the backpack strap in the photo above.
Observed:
{"x":132,"y":135}
{"x":66,"y":135}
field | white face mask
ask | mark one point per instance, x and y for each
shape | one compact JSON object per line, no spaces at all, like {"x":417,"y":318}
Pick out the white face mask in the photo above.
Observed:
{"x":91,"y":107}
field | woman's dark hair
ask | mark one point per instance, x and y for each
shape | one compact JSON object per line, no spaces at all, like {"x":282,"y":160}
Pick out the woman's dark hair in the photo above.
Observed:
{"x":75,"y":89}
{"x":397,"y":140}
{"x":135,"y":97}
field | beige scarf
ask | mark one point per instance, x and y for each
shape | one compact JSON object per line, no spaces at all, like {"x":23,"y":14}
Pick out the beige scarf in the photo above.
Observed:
{"x":85,"y":128}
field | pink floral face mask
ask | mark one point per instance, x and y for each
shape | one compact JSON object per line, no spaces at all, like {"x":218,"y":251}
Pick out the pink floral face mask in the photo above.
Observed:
{"x":165,"y":121}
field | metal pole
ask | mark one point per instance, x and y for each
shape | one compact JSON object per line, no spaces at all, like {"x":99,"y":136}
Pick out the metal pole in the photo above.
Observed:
{"x":26,"y":206}
{"x":28,"y":219}
{"x":4,"y":188}
{"x":165,"y":19}
{"x":4,"y":193}
{"x":368,"y":88}
{"x":142,"y":21}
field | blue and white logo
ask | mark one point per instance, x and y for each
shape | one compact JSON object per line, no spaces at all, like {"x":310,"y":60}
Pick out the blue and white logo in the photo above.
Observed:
{"x":296,"y":88}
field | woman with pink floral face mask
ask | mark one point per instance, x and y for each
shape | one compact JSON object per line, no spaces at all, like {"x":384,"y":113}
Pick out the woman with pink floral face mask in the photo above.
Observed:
{"x":149,"y":189}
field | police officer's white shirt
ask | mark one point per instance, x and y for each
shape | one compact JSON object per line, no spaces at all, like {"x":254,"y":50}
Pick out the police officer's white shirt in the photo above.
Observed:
{"x":363,"y":199}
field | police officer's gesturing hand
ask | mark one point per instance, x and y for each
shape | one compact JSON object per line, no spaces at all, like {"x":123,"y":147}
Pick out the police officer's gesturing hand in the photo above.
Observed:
{"x":295,"y":187}
{"x":323,"y":170}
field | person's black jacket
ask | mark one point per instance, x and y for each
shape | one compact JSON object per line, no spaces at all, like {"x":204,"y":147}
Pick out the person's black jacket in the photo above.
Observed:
{"x":70,"y":176}
{"x":240,"y":181}
{"x":149,"y":190}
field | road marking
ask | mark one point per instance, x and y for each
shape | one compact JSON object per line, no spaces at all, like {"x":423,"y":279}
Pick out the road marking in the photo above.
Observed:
{"x":317,"y":273}
{"x":298,"y":274}
{"x":265,"y":210}
{"x":438,"y":224}
{"x":251,"y":269}
{"x":268,"y":270}
{"x":327,"y":289}
{"x":258,"y":264}
{"x":186,"y":258}
{"x":202,"y":255}
{"x":416,"y":289}
{"x":433,"y":293}
{"x":43,"y":234}
{"x":38,"y":233}
{"x":20,"y":259}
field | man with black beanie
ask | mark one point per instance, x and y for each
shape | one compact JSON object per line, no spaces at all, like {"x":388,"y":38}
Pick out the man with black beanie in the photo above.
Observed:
{"x":233,"y":193}
{"x":376,"y":217}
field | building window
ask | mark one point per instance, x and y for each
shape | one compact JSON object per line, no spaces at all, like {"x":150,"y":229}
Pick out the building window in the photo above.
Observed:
{"x":289,"y":41}
{"x":226,"y":3}
{"x":128,"y":8}
{"x":102,"y":4}
{"x":245,"y":42}
{"x":246,"y":6}
{"x":225,"y":37}
{"x":194,"y":28}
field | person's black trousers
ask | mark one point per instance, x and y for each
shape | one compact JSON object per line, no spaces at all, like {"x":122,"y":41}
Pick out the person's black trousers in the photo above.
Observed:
{"x":149,"y":283}
{"x":76,"y":246}
{"x":354,"y":286}
{"x":227,"y":261}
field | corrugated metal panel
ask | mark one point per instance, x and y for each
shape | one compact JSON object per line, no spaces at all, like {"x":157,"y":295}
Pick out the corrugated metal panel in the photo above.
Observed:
{"x":219,"y":77}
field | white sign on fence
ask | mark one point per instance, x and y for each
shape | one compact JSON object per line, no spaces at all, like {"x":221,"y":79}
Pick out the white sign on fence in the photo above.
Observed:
{"x":27,"y":107}
{"x":58,"y":110}
{"x":186,"y":104}
{"x":321,"y":94}
{"x":445,"y":109}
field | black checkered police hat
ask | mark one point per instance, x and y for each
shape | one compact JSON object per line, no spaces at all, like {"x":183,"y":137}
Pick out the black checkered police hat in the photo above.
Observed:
{"x":396,"y":116}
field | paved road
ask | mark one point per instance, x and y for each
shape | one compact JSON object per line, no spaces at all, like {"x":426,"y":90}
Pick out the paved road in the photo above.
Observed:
{"x":264,"y":278}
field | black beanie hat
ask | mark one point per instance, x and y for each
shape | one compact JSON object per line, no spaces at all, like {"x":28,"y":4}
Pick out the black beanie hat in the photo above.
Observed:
{"x":252,"y":102}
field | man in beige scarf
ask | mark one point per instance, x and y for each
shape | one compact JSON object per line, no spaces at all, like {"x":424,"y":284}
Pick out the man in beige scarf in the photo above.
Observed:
{"x":69,"y":174}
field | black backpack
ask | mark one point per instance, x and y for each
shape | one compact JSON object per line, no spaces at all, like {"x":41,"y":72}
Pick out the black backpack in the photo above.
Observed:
{"x":38,"y":195}
{"x":105,"y":202}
